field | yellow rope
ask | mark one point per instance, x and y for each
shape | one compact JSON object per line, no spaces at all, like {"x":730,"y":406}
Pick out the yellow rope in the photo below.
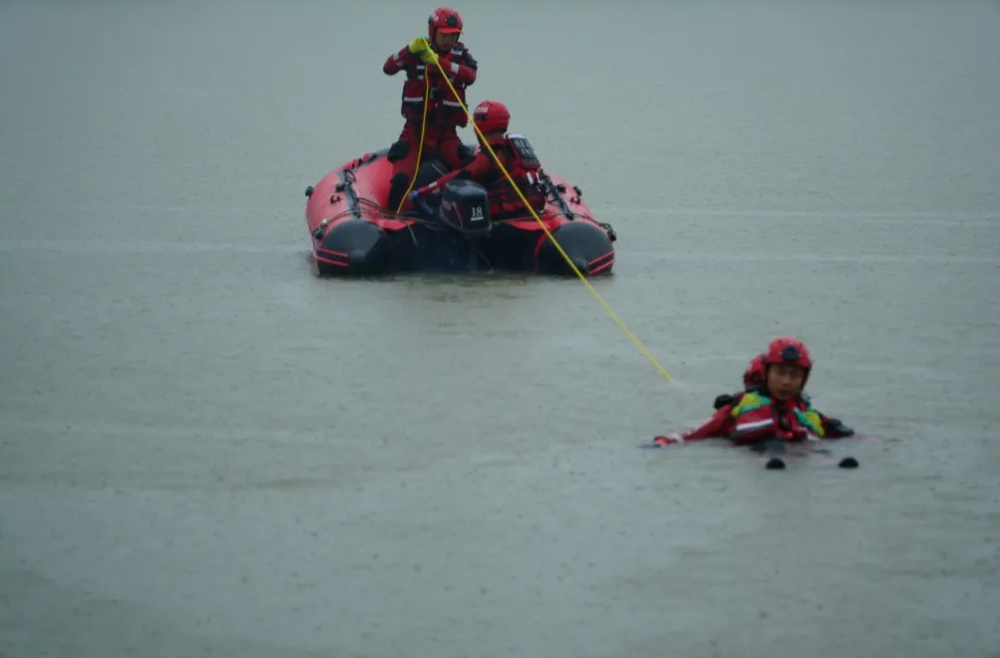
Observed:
{"x":423,"y":128}
{"x":594,"y":292}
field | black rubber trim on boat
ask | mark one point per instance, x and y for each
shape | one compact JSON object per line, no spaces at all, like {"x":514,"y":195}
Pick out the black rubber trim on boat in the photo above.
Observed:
{"x":556,"y":194}
{"x":347,"y":180}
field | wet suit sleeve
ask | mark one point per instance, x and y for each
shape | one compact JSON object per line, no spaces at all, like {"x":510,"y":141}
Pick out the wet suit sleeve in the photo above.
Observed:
{"x":465,"y":71}
{"x":398,"y":61}
{"x":720,"y":425}
{"x":462,"y":70}
{"x":833,"y":428}
{"x":475,"y":170}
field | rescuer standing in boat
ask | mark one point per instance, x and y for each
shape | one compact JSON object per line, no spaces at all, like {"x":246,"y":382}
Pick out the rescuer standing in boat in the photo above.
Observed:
{"x":445,"y":112}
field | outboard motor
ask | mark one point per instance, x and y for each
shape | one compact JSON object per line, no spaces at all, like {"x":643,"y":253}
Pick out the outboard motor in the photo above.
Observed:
{"x":465,"y":207}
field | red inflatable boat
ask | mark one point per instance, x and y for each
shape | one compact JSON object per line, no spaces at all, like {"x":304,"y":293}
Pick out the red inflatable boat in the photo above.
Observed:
{"x":354,"y":233}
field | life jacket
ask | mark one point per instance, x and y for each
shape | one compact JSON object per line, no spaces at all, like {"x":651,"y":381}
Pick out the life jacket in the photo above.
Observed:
{"x":414,"y":89}
{"x":448,"y":111}
{"x":522,"y":164}
{"x":756,"y":418}
{"x":443,"y":109}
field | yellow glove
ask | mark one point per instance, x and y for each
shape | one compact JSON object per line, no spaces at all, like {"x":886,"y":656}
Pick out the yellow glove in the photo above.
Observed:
{"x":429,"y":57}
{"x":418,"y":45}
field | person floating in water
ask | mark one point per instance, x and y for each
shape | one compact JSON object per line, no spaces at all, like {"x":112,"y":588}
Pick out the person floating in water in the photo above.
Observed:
{"x":772,"y":404}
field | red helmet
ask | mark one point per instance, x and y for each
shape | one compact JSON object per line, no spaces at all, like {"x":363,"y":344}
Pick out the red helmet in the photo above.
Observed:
{"x":444,"y":19}
{"x":755,"y":375}
{"x":490,"y":116}
{"x":788,"y":350}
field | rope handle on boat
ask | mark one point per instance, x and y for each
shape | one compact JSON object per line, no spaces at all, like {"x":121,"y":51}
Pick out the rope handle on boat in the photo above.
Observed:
{"x":545,"y":228}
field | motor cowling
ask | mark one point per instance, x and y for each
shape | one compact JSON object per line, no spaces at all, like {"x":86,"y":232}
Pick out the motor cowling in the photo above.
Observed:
{"x":465,"y":206}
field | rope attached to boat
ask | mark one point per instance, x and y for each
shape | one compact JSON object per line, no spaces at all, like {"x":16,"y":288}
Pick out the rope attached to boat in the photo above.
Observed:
{"x":545,"y":228}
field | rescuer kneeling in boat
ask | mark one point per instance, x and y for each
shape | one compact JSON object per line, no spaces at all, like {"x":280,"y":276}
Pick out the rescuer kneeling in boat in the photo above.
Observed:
{"x":514,"y":151}
{"x":772,"y":406}
{"x":445,"y":112}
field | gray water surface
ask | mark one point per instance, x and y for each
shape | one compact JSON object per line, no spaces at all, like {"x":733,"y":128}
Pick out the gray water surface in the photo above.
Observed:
{"x":207,"y":450}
